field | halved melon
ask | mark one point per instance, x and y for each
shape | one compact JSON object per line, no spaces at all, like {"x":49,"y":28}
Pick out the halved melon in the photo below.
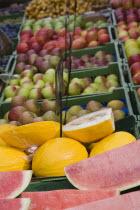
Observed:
{"x":91,"y":127}
{"x":13,"y":183}
{"x":30,"y":135}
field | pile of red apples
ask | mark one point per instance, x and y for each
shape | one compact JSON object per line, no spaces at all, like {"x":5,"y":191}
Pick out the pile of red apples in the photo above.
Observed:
{"x":48,"y":39}
{"x":132,"y":48}
{"x":130,"y":31}
{"x":126,"y":4}
{"x":128,"y":16}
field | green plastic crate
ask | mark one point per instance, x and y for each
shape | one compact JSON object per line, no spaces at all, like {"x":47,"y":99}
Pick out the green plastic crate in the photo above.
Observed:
{"x":128,"y":124}
{"x":114,"y":68}
{"x":109,"y":48}
{"x":135,"y":101}
{"x":117,"y":94}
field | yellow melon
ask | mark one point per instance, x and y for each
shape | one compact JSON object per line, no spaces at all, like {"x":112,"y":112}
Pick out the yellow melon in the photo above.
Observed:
{"x":30,"y":135}
{"x":12,"y":159}
{"x":51,"y":158}
{"x":91,"y":127}
{"x":112,"y":141}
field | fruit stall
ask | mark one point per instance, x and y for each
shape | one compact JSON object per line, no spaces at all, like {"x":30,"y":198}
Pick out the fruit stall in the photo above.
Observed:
{"x":70,"y":104}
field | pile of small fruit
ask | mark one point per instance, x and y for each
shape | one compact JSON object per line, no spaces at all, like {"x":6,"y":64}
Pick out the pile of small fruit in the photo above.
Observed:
{"x":58,"y":23}
{"x":40,"y":86}
{"x":39,"y":9}
{"x":25,"y":111}
{"x":128,"y":16}
{"x":12,"y":9}
{"x":11,"y":30}
{"x":11,"y":21}
{"x":48,"y":39}
{"x":132,"y":48}
{"x":45,"y":60}
{"x":130,"y":31}
{"x":126,"y":4}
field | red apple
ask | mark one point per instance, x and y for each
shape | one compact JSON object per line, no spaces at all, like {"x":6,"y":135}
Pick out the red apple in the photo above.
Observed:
{"x":124,"y":38}
{"x":91,"y":36}
{"x":84,"y":33}
{"x":62,"y":44}
{"x":132,"y":18}
{"x":134,"y":35}
{"x":121,"y":28}
{"x":42,"y":38}
{"x":121,"y":23}
{"x":63,"y":32}
{"x":37,"y":47}
{"x":135,"y":68}
{"x":32,"y":40}
{"x":104,"y":38}
{"x":116,"y":3}
{"x":30,"y":34}
{"x":102,"y":31}
{"x":94,"y":29}
{"x":25,"y":37}
{"x":93,"y":44}
{"x":22,"y":47}
{"x":78,"y":43}
{"x":134,"y":58}
{"x":136,"y":79}
{"x":77,"y":31}
{"x":127,"y":4}
{"x":49,"y":46}
{"x":137,"y":3}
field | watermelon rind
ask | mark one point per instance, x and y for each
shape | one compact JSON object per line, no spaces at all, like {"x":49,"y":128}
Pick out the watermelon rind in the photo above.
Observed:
{"x":27,"y":175}
{"x":25,"y":203}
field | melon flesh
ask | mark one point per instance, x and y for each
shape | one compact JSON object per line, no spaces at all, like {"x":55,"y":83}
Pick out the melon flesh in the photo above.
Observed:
{"x":115,"y":169}
{"x":13,"y":183}
{"x":91,"y":127}
{"x":15,"y":204}
{"x":129,"y":201}
{"x":60,"y":199}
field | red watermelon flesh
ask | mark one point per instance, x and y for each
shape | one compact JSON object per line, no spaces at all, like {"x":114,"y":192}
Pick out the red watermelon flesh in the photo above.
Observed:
{"x":60,"y":199}
{"x":15,"y":204}
{"x":129,"y":201}
{"x":115,"y":169}
{"x":13,"y":183}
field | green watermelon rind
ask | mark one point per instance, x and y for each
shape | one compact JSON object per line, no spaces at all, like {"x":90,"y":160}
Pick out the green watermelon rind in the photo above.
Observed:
{"x":119,"y":189}
{"x":27,"y":175}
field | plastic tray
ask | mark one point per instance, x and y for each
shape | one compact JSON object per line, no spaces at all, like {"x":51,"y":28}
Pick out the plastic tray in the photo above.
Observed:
{"x":117,"y":94}
{"x":114,"y":68}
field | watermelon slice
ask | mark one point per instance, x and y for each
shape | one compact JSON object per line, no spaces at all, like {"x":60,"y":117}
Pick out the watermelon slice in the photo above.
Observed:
{"x":12,"y":183}
{"x":129,"y":201}
{"x":15,"y":204}
{"x":115,"y":169}
{"x":60,"y":199}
